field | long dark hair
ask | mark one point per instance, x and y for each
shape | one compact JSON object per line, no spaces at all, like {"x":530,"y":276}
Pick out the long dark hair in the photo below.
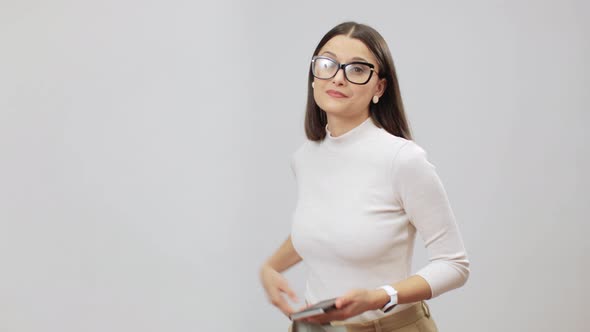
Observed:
{"x":389,"y":112}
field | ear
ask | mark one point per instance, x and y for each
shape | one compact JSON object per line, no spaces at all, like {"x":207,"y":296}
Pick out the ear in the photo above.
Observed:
{"x":380,"y":88}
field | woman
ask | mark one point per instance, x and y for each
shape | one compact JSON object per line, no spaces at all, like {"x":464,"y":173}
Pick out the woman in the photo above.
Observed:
{"x":365,"y":189}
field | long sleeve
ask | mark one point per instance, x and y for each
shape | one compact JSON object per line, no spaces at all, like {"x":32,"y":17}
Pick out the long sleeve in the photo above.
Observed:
{"x":362,"y":199}
{"x":421,"y":193}
{"x":292,"y":165}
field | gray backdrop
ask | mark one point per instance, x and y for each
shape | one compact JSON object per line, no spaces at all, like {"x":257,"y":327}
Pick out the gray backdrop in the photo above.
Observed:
{"x":145,"y":145}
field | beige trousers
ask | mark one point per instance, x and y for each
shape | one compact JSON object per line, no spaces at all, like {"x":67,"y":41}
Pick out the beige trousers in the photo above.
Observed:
{"x":416,"y":318}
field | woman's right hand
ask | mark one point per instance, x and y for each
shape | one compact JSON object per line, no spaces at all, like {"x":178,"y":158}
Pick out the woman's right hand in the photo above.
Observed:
{"x":275,"y":285}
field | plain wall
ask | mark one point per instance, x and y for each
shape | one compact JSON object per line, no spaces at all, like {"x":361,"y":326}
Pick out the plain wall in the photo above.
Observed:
{"x":145,"y":145}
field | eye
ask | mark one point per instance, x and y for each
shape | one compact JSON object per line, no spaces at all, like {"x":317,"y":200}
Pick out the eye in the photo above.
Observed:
{"x":325,"y":63}
{"x":358,"y":69}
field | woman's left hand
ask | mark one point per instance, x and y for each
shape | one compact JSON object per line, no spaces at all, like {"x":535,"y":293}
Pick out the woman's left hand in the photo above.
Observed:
{"x":351,"y":304}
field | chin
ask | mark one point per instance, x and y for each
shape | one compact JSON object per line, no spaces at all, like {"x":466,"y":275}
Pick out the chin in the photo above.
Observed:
{"x":334,"y":107}
{"x":335,"y":112}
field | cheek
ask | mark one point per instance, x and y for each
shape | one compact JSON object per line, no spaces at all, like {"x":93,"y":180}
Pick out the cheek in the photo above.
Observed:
{"x":318,"y":91}
{"x":316,"y":95}
{"x":362,"y":96}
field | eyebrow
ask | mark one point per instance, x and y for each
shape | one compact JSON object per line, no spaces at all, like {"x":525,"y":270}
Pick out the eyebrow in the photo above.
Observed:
{"x":356,"y":58}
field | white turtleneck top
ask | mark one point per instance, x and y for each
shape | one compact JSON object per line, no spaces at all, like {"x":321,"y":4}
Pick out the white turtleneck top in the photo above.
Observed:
{"x":362,"y":196}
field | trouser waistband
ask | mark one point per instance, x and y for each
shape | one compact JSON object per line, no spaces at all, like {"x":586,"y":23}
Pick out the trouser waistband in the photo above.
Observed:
{"x":390,"y":322}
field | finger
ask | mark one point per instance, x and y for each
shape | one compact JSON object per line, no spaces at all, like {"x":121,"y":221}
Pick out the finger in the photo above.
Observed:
{"x":313,"y":320}
{"x":304,"y":307}
{"x":318,"y":320}
{"x":349,"y":298}
{"x":327,"y":317}
{"x":286,"y":308}
{"x":279,"y":302}
{"x":290,"y":293}
{"x":339,"y":314}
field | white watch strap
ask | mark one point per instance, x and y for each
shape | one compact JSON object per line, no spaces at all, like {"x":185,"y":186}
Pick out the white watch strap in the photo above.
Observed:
{"x":392,"y":298}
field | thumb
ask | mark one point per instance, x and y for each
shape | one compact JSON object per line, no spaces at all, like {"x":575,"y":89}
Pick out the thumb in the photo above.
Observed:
{"x":343,"y":301}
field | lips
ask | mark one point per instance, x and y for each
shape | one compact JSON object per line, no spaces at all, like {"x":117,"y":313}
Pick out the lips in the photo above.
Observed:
{"x":336,"y":94}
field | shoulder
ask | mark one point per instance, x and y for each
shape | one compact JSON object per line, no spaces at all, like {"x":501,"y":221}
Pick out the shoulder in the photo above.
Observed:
{"x":301,"y":148}
{"x":411,"y":164}
{"x":402,"y":150}
{"x":410,"y":152}
{"x":300,"y":151}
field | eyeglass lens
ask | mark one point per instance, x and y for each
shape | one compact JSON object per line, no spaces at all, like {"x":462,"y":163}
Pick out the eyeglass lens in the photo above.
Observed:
{"x":327,"y":68}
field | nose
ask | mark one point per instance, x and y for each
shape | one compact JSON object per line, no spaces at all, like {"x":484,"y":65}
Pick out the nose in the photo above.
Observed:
{"x":339,"y":78}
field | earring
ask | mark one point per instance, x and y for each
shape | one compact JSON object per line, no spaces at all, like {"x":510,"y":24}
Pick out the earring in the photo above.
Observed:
{"x":375,"y":99}
{"x":312,"y":85}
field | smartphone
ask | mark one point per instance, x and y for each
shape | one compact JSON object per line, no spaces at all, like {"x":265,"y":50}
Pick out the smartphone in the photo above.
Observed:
{"x":316,"y":309}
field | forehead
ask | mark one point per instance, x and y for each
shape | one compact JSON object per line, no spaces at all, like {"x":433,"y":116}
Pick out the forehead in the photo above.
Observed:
{"x":345,"y":49}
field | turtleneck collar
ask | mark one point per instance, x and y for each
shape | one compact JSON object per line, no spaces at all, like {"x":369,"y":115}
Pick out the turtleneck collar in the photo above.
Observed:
{"x":352,"y":136}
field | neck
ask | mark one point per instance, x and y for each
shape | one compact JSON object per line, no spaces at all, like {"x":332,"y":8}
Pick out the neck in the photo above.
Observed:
{"x":339,"y":125}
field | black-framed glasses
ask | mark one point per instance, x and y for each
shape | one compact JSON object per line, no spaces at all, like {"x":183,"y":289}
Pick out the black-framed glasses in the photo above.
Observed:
{"x":356,"y":72}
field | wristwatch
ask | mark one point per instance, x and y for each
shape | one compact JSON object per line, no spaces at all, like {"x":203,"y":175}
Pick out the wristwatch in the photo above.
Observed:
{"x":392,"y":298}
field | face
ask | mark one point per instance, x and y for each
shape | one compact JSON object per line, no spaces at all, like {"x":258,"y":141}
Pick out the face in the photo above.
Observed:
{"x":337,"y":95}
